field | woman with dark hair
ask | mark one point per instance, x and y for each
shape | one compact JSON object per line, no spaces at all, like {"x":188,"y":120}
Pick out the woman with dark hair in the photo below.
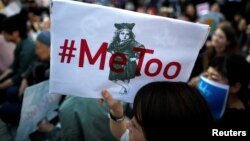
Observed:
{"x":161,"y":109}
{"x":224,"y":41}
{"x":24,"y":54}
{"x":123,"y":44}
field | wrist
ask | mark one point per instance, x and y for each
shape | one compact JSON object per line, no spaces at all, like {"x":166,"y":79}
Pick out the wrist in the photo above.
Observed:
{"x":116,"y":118}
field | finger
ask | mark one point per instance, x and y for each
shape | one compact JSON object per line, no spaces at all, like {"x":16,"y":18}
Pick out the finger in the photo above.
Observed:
{"x":106,"y":95}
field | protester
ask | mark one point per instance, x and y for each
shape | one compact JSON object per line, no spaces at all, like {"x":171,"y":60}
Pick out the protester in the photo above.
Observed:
{"x":161,"y":109}
{"x":223,"y":42}
{"x":6,"y":49}
{"x":37,"y":72}
{"x":24,"y":54}
{"x":232,"y":70}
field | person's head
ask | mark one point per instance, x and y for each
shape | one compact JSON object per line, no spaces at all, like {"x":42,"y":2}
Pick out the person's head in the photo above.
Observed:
{"x":215,"y":7}
{"x":43,"y":45}
{"x":141,"y":9}
{"x":152,"y":10}
{"x":124,"y":32}
{"x":242,"y":25}
{"x":14,"y":28}
{"x":190,"y":10}
{"x":164,"y":109}
{"x":224,"y":40}
{"x":232,"y":70}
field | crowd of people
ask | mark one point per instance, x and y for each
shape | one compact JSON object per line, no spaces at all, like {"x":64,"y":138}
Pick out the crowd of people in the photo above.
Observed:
{"x":160,"y":109}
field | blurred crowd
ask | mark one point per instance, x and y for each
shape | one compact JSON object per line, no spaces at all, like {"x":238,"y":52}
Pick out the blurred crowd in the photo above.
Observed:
{"x":212,"y":12}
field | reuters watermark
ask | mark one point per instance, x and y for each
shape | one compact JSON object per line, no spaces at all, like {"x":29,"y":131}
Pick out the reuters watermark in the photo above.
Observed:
{"x":217,"y":132}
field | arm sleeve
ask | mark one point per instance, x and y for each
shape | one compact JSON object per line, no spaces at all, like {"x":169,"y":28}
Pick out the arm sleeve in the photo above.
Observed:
{"x":28,"y":73}
{"x":25,"y":58}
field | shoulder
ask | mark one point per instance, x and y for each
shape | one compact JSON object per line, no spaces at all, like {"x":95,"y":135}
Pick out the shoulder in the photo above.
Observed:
{"x":27,"y":46}
{"x":28,"y":43}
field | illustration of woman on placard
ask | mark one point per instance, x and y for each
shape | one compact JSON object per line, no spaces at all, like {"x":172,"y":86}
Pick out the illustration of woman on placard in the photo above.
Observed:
{"x":123,"y":43}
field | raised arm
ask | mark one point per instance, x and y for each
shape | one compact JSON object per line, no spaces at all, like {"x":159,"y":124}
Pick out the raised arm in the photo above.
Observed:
{"x":118,"y":122}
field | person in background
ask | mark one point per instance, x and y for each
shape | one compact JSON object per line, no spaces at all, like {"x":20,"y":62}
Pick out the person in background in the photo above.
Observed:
{"x":223,"y":42}
{"x":24,"y":54}
{"x":242,"y":35}
{"x":232,"y":70}
{"x":6,"y":49}
{"x":190,"y":13}
{"x":37,"y":72}
{"x":39,"y":69}
{"x":161,"y":110}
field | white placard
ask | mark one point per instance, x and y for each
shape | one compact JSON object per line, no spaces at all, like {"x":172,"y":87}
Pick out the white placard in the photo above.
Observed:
{"x":87,"y":56}
{"x":37,"y":105}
